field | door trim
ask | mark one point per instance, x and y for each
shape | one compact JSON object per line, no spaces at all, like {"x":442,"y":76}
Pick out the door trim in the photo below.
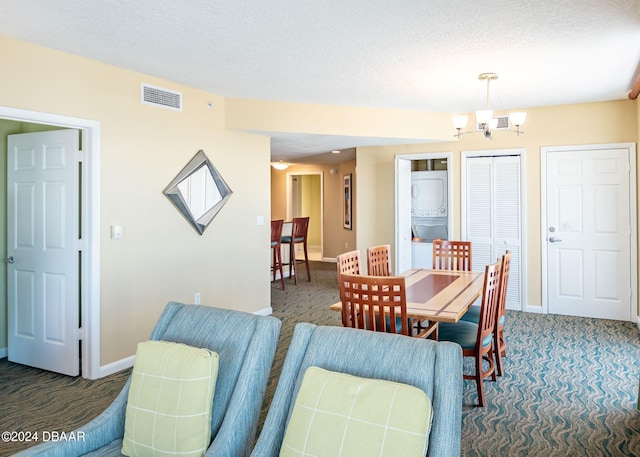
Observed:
{"x":90,"y":207}
{"x":421,"y":156}
{"x":522,"y":153}
{"x":631,"y":147}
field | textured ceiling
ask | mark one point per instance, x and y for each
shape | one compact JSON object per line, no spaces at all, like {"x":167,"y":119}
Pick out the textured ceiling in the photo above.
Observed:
{"x":403,"y":54}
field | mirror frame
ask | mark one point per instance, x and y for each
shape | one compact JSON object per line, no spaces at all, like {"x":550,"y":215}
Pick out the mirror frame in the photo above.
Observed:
{"x":172,"y":192}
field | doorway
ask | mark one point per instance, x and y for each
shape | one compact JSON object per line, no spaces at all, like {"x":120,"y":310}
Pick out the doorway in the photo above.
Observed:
{"x":305,"y":198}
{"x":589,"y":232}
{"x":89,"y":273}
{"x":404,"y":165}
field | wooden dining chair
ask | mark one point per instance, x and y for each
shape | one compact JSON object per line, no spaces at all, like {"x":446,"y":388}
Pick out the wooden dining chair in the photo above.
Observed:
{"x":378,"y":303}
{"x":276,"y":240}
{"x":476,"y":340}
{"x":349,"y":262}
{"x":500,"y":341}
{"x":473,"y":315}
{"x":452,"y":255}
{"x":378,"y":260}
{"x":299,"y":230}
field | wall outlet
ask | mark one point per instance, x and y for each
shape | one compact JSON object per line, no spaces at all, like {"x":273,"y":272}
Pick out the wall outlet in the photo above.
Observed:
{"x":196,"y":298}
{"x":346,"y":245}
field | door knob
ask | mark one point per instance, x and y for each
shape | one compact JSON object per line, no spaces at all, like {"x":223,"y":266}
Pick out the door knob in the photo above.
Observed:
{"x":553,"y":239}
{"x":10,"y":259}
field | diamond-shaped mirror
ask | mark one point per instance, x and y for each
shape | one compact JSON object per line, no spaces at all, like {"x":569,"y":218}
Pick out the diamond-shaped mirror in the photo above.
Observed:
{"x":198,"y":192}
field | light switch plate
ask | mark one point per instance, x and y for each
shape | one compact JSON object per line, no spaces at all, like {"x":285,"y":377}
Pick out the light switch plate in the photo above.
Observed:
{"x":116,"y":232}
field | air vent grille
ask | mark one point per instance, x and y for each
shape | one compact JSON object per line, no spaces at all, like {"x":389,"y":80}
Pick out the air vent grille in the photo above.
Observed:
{"x":163,"y":98}
{"x":503,"y":123}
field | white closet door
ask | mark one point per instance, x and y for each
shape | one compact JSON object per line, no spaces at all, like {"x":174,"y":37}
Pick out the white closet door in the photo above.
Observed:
{"x":493,"y":216}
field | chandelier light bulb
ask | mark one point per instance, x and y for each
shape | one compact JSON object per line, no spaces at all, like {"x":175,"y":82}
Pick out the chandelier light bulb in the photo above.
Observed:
{"x":460,"y":122}
{"x":484,"y":116}
{"x":517,"y":118}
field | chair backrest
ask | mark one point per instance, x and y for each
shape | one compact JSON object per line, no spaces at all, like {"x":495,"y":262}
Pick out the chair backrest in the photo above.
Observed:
{"x":452,"y":255}
{"x":299,"y":229}
{"x":505,"y":264}
{"x":434,"y":367}
{"x":245,"y":344}
{"x":377,"y":303}
{"x":378,"y":260}
{"x":489,"y":305}
{"x":349,"y":262}
{"x":276,"y":232}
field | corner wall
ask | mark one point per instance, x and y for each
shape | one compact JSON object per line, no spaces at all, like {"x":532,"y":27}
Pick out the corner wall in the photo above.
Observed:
{"x":591,"y":123}
{"x":160,"y":257}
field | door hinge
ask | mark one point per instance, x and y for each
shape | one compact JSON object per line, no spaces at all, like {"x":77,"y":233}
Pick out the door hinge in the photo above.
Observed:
{"x":80,"y":245}
{"x":80,"y":334}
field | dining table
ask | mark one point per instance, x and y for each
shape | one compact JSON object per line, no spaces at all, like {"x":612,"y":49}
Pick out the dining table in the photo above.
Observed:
{"x":438,"y":295}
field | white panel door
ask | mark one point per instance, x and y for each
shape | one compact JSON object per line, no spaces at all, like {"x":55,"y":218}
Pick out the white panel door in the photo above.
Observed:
{"x":42,"y":250}
{"x":493,"y":216}
{"x":588,"y":233}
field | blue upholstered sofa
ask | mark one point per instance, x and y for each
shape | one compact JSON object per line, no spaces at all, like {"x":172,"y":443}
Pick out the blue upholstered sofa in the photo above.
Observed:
{"x":434,"y":367}
{"x":245,"y":344}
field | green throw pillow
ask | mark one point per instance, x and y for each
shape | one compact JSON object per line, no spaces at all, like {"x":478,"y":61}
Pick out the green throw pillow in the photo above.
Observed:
{"x":336,"y":414}
{"x":169,"y":406}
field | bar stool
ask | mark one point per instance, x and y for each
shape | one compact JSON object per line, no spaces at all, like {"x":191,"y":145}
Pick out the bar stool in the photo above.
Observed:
{"x":276,"y":240}
{"x":298,"y":235}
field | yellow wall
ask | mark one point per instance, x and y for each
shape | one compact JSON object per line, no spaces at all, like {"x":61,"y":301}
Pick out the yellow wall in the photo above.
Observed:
{"x":310,"y":206}
{"x":259,"y":115}
{"x":593,"y":123}
{"x":160,"y":257}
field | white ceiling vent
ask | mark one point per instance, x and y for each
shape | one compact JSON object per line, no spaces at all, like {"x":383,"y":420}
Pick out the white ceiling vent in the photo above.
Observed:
{"x":163,"y":98}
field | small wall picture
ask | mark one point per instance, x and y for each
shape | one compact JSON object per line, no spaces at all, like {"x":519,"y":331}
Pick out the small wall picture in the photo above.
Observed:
{"x":346,"y":203}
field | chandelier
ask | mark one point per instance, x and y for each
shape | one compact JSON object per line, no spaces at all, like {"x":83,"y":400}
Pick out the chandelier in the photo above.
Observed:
{"x":484,"y":118}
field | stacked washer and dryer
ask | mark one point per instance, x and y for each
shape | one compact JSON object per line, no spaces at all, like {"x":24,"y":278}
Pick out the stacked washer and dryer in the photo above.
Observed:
{"x":429,"y":214}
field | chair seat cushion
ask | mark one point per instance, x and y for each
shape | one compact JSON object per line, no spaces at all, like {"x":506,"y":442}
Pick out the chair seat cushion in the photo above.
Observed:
{"x":388,"y":323}
{"x":169,"y":404}
{"x":287,"y":239}
{"x":473,"y":315}
{"x":463,"y":333}
{"x":340,"y":414}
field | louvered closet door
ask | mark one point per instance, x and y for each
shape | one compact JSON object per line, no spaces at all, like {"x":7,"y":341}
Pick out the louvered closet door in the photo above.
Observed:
{"x":493,"y":216}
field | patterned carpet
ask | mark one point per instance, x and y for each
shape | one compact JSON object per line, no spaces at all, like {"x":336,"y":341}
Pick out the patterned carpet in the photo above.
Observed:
{"x":570,"y":387}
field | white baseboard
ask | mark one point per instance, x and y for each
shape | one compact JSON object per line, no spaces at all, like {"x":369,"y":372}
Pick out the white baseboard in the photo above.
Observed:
{"x":116,"y":366}
{"x":534,"y":309}
{"x":4,"y":353}
{"x":127,"y":362}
